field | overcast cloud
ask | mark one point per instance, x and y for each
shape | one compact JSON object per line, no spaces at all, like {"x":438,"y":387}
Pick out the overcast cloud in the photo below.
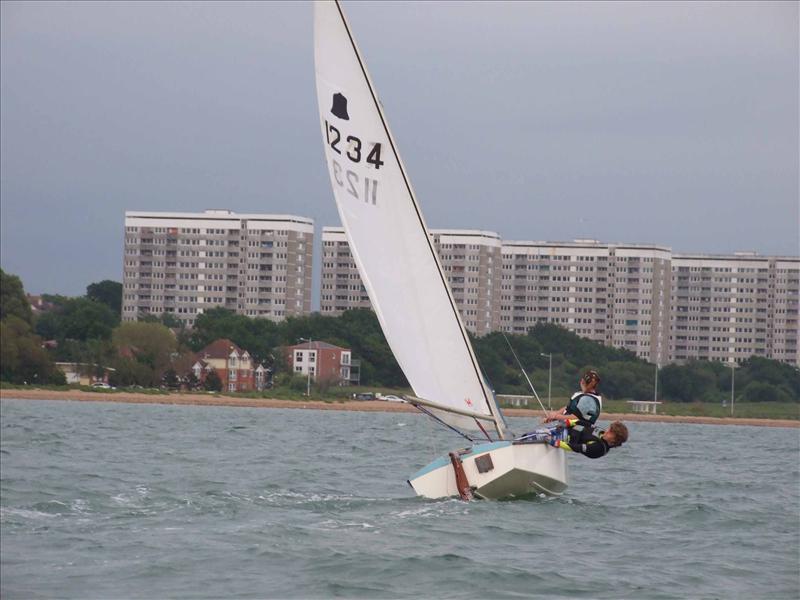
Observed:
{"x":668,"y":123}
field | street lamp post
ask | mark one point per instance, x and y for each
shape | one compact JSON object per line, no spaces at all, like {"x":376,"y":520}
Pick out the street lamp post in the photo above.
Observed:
{"x":733,"y":370}
{"x":549,"y":379}
{"x":308,"y":367}
{"x":655,"y":387}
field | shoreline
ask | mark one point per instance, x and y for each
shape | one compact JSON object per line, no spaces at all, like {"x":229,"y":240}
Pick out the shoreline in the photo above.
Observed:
{"x":350,"y":405}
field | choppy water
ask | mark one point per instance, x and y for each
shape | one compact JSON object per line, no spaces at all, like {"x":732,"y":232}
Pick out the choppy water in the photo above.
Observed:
{"x":145,"y":501}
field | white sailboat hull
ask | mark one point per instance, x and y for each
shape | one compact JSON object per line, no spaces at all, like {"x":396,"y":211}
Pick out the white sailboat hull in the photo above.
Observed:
{"x":516,"y":470}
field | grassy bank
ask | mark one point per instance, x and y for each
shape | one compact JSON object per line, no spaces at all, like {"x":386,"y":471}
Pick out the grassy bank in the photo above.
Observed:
{"x":4,"y":385}
{"x":750,"y":410}
{"x":744,"y":410}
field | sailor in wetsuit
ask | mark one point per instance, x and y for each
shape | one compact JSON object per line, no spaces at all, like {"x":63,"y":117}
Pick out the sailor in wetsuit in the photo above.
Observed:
{"x":584,"y":405}
{"x":579,"y":418}
{"x":573,"y":427}
{"x":591,"y":441}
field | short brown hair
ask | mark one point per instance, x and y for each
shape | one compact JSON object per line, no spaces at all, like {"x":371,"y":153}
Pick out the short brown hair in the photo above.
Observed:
{"x":591,"y":378}
{"x":620,"y":432}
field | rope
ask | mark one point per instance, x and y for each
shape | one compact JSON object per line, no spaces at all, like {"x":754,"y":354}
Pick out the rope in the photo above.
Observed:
{"x":488,"y":437}
{"x":431,"y":438}
{"x":510,"y":347}
{"x":433,"y":416}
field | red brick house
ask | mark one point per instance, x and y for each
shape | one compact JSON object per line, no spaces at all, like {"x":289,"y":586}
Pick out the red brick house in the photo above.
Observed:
{"x":321,"y":360}
{"x":234,"y":366}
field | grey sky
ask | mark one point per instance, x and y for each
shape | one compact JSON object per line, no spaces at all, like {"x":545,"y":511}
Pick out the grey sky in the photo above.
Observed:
{"x":671,"y":123}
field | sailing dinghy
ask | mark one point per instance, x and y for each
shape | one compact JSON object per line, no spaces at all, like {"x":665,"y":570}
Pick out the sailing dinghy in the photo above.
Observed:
{"x":408,"y":290}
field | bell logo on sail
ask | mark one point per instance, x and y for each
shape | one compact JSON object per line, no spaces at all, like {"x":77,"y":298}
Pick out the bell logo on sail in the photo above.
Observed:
{"x":339,"y":108}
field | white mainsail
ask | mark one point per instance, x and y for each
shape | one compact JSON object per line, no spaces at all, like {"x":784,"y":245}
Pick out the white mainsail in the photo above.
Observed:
{"x":388,"y":237}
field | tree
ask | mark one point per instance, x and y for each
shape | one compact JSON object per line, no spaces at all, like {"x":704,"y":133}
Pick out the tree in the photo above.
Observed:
{"x":48,"y":325}
{"x":171,"y":321}
{"x":213,"y":383}
{"x":78,"y":319}
{"x":97,"y":354}
{"x":192,"y":383}
{"x":692,"y":382}
{"x":360,"y":331}
{"x":129,"y":372}
{"x":13,"y":301}
{"x":149,"y":343}
{"x":141,"y":374}
{"x":165,"y":318}
{"x":760,"y":391}
{"x":325,"y":382}
{"x":492,"y":364}
{"x":782,"y":376}
{"x":9,"y":348}
{"x":170,"y":379}
{"x":107,"y":292}
{"x":22,"y":358}
{"x":622,"y":379}
{"x":277,"y":362}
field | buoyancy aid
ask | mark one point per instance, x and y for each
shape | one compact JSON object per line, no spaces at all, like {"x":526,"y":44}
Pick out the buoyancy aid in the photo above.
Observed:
{"x":586,"y":406}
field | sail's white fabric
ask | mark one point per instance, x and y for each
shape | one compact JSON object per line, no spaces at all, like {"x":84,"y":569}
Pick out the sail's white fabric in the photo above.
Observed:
{"x":387,"y":234}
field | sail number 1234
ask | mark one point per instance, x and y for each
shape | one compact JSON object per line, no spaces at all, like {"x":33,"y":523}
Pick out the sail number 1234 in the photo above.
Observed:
{"x":355,"y":148}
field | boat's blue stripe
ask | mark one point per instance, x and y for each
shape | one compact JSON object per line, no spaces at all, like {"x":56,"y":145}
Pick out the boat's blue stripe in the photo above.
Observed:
{"x":445,"y":460}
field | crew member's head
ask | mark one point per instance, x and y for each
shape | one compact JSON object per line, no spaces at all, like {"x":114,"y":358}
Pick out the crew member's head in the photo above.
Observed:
{"x":589,"y":381}
{"x":616,"y":434}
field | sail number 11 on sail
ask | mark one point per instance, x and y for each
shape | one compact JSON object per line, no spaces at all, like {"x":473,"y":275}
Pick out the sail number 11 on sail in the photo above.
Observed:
{"x":360,"y":188}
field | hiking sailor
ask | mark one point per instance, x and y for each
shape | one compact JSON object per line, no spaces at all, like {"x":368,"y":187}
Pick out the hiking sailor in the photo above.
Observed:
{"x":578,"y":418}
{"x":591,"y":441}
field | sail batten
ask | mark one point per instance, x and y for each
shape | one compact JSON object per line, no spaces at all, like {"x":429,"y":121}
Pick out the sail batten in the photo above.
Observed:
{"x":387,"y":234}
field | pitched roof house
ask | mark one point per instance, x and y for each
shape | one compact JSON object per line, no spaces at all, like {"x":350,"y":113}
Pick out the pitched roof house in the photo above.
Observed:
{"x":234,"y":366}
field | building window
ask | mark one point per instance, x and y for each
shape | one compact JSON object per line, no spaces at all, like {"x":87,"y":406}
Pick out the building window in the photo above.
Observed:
{"x":298,"y":357}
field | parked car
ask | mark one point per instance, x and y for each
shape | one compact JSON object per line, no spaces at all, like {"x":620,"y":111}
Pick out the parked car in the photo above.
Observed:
{"x":101,"y":385}
{"x":364,"y":396}
{"x":392,"y":398}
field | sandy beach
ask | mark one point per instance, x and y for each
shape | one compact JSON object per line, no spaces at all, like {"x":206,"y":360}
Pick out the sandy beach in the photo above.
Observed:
{"x":364,"y":406}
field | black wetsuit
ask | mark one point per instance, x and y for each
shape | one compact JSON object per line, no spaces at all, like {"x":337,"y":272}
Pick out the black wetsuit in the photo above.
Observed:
{"x":587,"y":440}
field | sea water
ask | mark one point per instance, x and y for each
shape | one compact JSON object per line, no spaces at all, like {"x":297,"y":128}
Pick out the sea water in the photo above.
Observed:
{"x":103,"y":500}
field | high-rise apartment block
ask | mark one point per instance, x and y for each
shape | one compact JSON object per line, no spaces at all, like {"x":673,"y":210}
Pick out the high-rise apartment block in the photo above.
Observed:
{"x":664,"y":307}
{"x":341,"y":287}
{"x":471,"y":260}
{"x":728,"y":308}
{"x":611,"y":293}
{"x":186,"y":263}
